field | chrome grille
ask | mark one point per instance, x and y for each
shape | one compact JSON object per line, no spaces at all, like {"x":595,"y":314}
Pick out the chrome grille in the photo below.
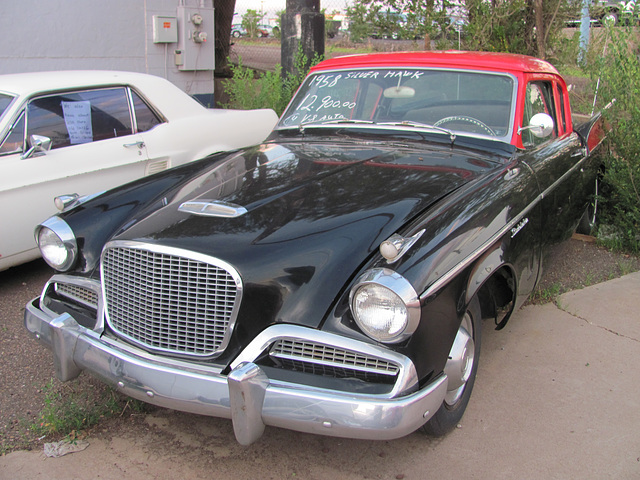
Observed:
{"x":320,"y":359}
{"x":169,"y":300}
{"x":77,"y":293}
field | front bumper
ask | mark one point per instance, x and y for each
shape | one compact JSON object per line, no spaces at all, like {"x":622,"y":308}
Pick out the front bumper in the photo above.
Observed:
{"x":246,"y":395}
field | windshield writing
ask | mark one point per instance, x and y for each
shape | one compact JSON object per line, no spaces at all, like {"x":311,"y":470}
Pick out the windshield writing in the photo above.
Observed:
{"x":463,"y":101}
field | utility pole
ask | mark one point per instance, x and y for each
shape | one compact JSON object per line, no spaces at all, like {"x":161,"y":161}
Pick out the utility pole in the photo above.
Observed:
{"x":585,"y":24}
{"x":302,"y":26}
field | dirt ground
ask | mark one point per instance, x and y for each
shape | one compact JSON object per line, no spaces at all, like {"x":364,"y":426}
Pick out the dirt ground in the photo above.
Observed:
{"x":29,"y":387}
{"x":553,"y":400}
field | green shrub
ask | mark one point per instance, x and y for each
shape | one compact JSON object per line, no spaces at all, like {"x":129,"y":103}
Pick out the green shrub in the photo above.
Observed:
{"x":619,"y":73}
{"x":248,"y":90}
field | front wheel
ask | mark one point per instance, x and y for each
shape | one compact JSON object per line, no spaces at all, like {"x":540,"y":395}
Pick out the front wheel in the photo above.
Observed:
{"x":461,"y":368}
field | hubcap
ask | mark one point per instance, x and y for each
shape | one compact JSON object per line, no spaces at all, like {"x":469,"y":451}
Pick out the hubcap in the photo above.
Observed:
{"x":460,"y":363}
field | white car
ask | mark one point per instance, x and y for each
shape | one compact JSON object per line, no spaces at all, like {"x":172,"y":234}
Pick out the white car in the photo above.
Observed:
{"x":82,"y":132}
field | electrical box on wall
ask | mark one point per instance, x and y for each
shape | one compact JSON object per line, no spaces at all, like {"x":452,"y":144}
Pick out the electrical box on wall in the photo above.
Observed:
{"x":196,"y":38}
{"x":165,"y":29}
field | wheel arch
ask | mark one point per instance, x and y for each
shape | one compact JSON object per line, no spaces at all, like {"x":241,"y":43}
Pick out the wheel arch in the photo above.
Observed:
{"x":493,"y":280}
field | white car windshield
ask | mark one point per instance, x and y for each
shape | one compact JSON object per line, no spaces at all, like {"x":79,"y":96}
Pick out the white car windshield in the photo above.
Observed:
{"x":471,"y":102}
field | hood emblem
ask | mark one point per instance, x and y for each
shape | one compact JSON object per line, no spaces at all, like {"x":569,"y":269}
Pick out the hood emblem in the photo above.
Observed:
{"x":396,"y":246}
{"x":212,"y":208}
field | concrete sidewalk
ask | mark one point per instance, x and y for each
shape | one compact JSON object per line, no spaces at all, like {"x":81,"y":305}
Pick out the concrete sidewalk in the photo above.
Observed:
{"x":557,"y":397}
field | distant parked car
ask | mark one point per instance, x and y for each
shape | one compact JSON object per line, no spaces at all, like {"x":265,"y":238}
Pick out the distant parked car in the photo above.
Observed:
{"x":267,"y":31}
{"x":83,"y":132}
{"x":238,"y":31}
{"x":610,"y":12}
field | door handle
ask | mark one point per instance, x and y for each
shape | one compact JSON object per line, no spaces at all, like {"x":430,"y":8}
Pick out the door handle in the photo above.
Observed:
{"x":139,"y":144}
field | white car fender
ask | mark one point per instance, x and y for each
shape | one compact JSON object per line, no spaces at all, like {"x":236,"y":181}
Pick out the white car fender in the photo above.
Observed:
{"x":229,"y":130}
{"x":255,"y":126}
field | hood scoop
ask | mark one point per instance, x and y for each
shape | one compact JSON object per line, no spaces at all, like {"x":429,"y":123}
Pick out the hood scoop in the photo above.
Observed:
{"x":212,"y":208}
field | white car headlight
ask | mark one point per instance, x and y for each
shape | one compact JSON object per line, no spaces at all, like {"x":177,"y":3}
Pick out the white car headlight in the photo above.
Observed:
{"x":385,"y":306}
{"x":57,"y":243}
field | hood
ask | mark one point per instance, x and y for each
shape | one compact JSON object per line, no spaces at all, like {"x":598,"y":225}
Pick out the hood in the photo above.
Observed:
{"x":315,"y":213}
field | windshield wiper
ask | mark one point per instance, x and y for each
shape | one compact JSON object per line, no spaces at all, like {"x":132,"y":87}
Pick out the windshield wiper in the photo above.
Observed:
{"x":302,"y":126}
{"x":347,"y":120}
{"x":409,"y":123}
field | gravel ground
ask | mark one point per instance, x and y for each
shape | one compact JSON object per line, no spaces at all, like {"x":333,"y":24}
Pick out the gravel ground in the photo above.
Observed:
{"x":28,"y":380}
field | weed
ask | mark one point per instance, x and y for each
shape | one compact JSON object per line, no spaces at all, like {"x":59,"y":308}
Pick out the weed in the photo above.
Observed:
{"x":618,"y":70}
{"x":248,"y":90}
{"x":626,"y":267}
{"x":548,"y":294}
{"x":589,"y":280}
{"x":67,"y":414}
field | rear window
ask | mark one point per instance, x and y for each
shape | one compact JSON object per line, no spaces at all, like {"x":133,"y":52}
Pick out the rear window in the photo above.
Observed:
{"x":5,"y":101}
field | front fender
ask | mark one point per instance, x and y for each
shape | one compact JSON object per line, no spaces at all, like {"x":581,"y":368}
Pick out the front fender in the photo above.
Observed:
{"x":122,"y":206}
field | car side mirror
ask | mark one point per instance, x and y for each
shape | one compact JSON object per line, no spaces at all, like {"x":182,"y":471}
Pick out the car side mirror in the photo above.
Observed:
{"x":540,"y":125}
{"x":39,"y":145}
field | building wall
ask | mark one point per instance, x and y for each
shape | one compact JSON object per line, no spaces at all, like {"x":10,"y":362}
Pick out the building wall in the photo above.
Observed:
{"x":37,"y":35}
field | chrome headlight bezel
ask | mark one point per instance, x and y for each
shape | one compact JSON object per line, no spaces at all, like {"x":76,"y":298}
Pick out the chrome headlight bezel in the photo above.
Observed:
{"x":400,"y":289}
{"x":63,"y":240}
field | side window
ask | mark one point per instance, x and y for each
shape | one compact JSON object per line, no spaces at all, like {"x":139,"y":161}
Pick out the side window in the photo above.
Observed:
{"x":80,"y":117}
{"x":14,"y":141}
{"x":145,"y":118}
{"x":538,"y":99}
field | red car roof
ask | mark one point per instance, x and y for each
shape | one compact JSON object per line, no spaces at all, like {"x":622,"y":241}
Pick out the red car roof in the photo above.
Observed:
{"x":502,"y":62}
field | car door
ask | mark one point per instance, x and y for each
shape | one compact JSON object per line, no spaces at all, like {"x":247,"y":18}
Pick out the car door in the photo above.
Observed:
{"x":555,"y":161}
{"x":93,"y":148}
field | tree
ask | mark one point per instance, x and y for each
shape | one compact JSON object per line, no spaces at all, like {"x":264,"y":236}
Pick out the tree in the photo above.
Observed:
{"x":402,"y":19}
{"x":530,"y":27}
{"x":250,"y":22}
{"x":224,"y":10}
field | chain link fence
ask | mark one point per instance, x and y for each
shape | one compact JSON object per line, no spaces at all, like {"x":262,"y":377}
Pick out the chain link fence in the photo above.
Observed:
{"x":255,"y":33}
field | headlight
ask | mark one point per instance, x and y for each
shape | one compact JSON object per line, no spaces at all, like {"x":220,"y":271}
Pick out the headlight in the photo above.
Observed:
{"x":385,"y":306}
{"x":57,"y":243}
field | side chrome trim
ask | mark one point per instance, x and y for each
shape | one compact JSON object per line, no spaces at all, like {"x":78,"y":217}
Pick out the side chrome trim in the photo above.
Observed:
{"x":444,"y":279}
{"x":448,"y":276}
{"x":555,"y":184}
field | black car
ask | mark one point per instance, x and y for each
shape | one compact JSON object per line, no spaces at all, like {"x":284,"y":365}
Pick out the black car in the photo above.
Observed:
{"x":333,"y":279}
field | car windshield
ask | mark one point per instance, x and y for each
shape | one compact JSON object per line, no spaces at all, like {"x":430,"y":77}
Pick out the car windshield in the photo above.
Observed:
{"x":466,"y":102}
{"x":5,"y":101}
